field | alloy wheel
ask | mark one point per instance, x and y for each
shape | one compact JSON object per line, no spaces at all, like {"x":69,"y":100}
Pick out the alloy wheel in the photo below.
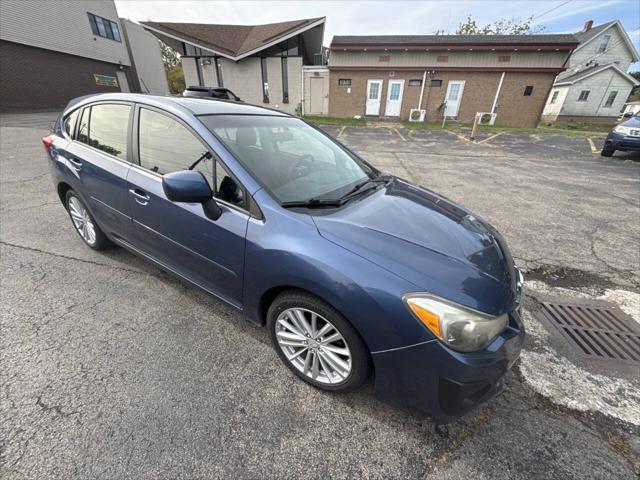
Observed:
{"x":82,"y":220}
{"x":313,"y":345}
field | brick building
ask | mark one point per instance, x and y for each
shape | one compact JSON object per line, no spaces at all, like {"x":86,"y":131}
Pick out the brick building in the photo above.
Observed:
{"x":452,"y":75}
{"x":60,"y":49}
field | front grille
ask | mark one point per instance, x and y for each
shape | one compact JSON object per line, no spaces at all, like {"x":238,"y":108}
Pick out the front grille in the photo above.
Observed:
{"x":635,"y":133}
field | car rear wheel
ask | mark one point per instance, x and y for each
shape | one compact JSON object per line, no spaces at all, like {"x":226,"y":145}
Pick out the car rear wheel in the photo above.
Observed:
{"x":84,"y":223}
{"x":317,"y":343}
{"x":607,"y":150}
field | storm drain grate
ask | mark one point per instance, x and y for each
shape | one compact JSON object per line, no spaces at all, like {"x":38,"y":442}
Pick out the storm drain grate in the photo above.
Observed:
{"x":600,"y":331}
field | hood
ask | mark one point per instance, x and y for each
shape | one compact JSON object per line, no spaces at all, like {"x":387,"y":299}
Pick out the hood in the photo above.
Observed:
{"x":430,"y":241}
{"x":633,"y":122}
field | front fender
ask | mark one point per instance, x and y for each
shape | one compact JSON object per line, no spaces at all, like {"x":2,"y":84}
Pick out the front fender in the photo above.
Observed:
{"x":295,"y":255}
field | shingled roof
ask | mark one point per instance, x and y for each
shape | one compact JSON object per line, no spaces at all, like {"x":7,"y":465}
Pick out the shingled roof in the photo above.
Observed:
{"x":454,"y":39}
{"x":232,"y":40}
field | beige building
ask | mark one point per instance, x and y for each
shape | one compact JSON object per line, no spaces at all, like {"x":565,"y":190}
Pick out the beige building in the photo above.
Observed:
{"x":430,"y":77}
{"x":262,"y":64}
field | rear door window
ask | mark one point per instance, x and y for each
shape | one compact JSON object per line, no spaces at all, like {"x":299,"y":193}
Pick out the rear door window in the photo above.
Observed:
{"x":108,"y":127}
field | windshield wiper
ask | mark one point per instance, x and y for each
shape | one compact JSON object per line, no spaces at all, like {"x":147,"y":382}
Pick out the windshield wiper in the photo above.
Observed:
{"x":204,"y":155}
{"x":312,"y":203}
{"x":358,"y":189}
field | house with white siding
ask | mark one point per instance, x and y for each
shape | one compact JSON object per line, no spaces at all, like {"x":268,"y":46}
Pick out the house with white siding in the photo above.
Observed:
{"x":262,"y":64}
{"x":595,"y":85}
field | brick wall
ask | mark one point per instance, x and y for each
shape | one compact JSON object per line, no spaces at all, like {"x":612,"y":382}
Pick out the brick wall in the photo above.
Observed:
{"x":514,"y":109}
{"x":36,"y":79}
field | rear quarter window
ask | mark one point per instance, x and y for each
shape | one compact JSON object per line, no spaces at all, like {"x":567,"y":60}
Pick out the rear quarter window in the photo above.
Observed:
{"x":69,"y":124}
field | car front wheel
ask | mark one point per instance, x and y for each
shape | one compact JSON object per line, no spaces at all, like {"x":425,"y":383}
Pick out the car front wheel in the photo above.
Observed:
{"x":317,"y":343}
{"x":84,"y":223}
{"x":607,"y":150}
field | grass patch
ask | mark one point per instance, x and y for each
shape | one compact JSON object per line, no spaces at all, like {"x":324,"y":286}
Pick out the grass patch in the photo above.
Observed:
{"x":349,"y":122}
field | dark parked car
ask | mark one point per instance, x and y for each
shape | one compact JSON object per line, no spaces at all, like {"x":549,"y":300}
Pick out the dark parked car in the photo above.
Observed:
{"x":211,"y":92}
{"x":350,"y":269}
{"x":624,"y":137}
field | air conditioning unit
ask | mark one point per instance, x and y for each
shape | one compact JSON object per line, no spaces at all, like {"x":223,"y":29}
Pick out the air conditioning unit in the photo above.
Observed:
{"x":417,"y":115}
{"x":486,"y":118}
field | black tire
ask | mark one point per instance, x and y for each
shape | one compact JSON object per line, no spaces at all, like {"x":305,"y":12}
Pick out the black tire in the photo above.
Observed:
{"x":360,"y":357}
{"x":607,"y":150}
{"x":101,"y":241}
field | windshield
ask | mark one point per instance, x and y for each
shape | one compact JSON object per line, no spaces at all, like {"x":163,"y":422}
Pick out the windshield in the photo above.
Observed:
{"x":294,"y":161}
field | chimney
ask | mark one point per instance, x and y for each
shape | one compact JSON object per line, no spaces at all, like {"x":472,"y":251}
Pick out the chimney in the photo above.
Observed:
{"x":587,"y":25}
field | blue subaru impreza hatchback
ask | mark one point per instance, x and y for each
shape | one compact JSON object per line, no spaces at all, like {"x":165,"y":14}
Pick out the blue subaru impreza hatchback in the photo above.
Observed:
{"x":350,"y":269}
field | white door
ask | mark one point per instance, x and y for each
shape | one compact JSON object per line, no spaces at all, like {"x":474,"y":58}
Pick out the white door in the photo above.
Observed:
{"x":454,"y":95}
{"x":317,"y":96}
{"x":122,"y":80}
{"x":374,"y":92}
{"x":394,"y":98}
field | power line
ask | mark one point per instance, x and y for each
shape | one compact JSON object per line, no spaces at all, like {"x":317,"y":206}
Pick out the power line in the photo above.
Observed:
{"x":551,"y":10}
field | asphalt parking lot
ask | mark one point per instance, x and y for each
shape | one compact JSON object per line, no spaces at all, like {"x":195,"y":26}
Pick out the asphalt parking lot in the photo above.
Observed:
{"x":111,"y":368}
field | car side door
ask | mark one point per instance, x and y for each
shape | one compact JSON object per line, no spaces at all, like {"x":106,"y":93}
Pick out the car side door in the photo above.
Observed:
{"x":180,"y":236}
{"x":99,"y":158}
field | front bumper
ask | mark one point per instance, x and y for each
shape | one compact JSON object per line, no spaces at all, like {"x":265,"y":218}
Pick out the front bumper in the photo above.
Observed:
{"x":625,"y":143}
{"x":446,"y":384}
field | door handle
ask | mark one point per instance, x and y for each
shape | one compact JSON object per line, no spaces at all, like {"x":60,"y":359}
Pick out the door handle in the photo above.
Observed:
{"x":77,"y":164}
{"x":141,"y":197}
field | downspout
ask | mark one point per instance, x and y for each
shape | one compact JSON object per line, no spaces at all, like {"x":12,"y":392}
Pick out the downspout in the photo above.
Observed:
{"x":495,"y":100}
{"x":424,"y":81}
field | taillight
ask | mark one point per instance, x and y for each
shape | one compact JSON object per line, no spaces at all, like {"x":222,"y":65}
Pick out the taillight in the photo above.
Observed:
{"x":48,"y":142}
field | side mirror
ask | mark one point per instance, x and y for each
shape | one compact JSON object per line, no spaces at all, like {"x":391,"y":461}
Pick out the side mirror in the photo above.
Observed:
{"x":627,"y":115}
{"x":189,"y":186}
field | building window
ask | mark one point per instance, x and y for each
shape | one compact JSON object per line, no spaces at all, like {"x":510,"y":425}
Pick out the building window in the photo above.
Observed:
{"x":436,"y":83}
{"x":554,"y":97}
{"x":442,"y":58}
{"x":504,"y":58}
{"x":384,"y":58}
{"x":604,"y":43}
{"x":344,"y":82}
{"x":415,"y":83}
{"x":611,"y":98}
{"x":285,"y":80}
{"x":528,"y":90}
{"x":584,"y":94}
{"x":265,"y":80}
{"x":104,"y":28}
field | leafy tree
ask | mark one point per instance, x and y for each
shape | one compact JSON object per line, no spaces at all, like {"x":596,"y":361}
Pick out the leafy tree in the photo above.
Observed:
{"x":503,"y":26}
{"x":170,"y":57}
{"x":172,"y":68}
{"x":635,"y":93}
{"x":175,"y":78}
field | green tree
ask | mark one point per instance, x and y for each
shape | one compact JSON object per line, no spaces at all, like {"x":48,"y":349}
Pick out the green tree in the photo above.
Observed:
{"x":635,"y":93}
{"x":175,"y":78}
{"x":172,"y":68}
{"x":503,"y":26}
{"x":170,"y":57}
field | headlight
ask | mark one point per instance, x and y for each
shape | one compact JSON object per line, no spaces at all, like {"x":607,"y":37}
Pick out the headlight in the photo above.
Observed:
{"x":623,"y":130}
{"x":458,"y":327}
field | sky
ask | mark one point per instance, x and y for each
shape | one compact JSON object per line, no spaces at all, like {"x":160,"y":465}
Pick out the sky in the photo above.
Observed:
{"x":391,"y":17}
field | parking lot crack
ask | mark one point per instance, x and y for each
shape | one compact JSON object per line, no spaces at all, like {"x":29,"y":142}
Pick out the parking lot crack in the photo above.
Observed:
{"x":465,"y":434}
{"x":68,"y":257}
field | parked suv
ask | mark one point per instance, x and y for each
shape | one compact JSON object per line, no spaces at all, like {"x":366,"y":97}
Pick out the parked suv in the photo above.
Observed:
{"x":211,"y":92}
{"x":352,"y":271}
